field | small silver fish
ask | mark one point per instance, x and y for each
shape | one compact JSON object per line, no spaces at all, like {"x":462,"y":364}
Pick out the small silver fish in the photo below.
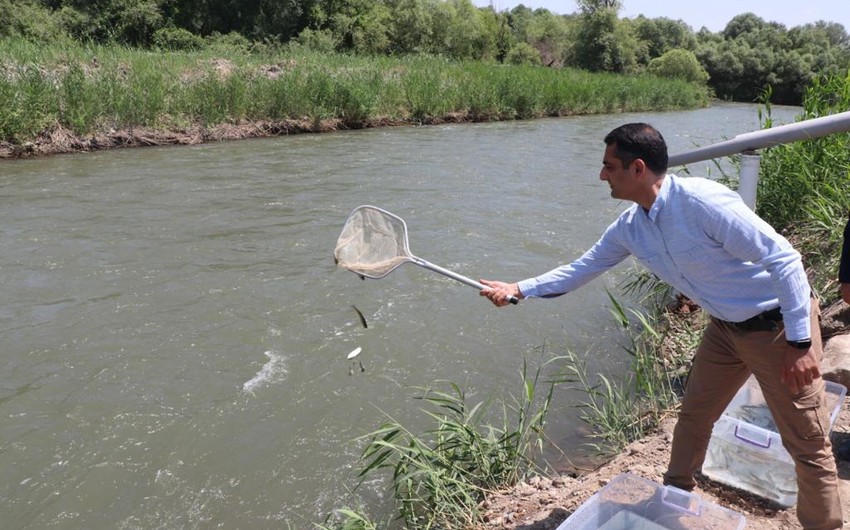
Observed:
{"x":360,"y":315}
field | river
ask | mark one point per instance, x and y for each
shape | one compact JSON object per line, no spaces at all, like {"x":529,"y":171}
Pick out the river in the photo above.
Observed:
{"x":175,"y":331}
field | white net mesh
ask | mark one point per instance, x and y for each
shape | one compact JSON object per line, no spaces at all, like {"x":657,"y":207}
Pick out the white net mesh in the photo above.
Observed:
{"x":373,"y":242}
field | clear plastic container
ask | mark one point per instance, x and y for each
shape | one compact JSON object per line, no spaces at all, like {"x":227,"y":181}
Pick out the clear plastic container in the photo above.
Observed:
{"x":630,"y":502}
{"x":745,"y":450}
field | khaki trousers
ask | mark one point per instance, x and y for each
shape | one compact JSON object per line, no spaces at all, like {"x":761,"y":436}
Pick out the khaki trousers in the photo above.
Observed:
{"x":723,"y":362}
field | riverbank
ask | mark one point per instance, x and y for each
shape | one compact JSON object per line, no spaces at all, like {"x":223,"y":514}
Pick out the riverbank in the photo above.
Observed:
{"x":97,"y":97}
{"x":60,"y":140}
{"x":543,"y":503}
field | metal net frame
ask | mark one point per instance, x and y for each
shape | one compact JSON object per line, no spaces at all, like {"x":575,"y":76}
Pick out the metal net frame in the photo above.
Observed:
{"x":373,"y":242}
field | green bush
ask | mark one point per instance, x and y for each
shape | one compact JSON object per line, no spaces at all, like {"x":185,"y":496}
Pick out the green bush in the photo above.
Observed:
{"x":523,"y":53}
{"x":29,"y":20}
{"x":229,"y":42}
{"x":322,"y":40}
{"x":177,"y":39}
{"x":678,"y":64}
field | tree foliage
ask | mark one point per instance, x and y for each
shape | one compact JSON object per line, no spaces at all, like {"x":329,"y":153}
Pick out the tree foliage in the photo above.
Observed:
{"x":749,"y":55}
{"x":680,"y":64}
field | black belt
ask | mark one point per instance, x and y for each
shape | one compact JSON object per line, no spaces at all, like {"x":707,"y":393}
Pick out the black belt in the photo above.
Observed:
{"x":767,"y":321}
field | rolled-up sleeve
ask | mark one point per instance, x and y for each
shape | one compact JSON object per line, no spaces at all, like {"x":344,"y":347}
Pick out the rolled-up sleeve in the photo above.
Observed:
{"x":601,"y":257}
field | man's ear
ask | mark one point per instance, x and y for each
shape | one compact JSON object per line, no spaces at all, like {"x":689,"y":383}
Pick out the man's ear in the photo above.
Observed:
{"x":638,"y":166}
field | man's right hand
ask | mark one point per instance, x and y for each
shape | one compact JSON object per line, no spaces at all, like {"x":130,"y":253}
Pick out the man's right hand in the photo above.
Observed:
{"x":845,"y":292}
{"x":500,"y":292}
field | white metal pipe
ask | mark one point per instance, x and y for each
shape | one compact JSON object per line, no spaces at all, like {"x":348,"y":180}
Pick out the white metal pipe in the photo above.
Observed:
{"x":749,"y":178}
{"x":802,"y":130}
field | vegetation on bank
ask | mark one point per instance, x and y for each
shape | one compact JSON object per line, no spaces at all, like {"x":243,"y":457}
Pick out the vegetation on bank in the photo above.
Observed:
{"x":90,"y":90}
{"x":738,"y":62}
{"x":803,"y":193}
{"x":804,"y":189}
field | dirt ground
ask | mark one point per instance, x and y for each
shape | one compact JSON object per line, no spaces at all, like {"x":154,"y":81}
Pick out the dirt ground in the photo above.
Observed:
{"x":544,"y":503}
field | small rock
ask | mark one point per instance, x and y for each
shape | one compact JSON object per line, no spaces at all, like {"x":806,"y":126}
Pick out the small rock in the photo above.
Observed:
{"x":525,"y":489}
{"x":836,"y":360}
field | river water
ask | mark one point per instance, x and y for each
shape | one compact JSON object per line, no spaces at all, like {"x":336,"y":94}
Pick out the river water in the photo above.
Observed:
{"x":175,"y":331}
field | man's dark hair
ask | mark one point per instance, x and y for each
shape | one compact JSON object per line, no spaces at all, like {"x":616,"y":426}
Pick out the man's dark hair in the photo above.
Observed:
{"x":639,"y":140}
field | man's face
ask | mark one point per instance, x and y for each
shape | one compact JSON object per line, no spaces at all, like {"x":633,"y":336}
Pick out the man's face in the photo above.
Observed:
{"x":621,"y":180}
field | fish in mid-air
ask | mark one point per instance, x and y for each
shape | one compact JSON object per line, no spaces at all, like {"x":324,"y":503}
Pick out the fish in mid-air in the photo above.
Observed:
{"x":361,"y":317}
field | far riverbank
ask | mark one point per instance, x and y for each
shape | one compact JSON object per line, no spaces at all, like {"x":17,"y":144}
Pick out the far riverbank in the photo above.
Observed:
{"x":96,"y":97}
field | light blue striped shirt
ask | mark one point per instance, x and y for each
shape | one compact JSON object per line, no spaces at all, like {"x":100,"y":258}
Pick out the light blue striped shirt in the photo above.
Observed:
{"x":702,"y":239}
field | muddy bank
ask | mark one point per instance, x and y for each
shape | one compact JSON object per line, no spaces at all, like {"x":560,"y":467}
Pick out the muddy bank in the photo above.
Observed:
{"x":60,"y":140}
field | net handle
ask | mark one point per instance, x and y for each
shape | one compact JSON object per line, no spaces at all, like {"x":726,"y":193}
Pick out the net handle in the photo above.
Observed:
{"x":410,"y":257}
{"x":451,"y":274}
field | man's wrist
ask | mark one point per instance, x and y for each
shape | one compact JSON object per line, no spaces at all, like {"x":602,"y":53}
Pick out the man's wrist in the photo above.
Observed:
{"x":803,"y":344}
{"x":518,"y":292}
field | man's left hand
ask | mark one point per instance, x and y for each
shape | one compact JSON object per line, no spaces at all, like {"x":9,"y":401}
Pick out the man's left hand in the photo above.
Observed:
{"x":800,"y":368}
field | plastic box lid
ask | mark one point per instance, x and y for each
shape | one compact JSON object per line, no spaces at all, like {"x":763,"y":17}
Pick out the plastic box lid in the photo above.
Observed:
{"x":630,"y":502}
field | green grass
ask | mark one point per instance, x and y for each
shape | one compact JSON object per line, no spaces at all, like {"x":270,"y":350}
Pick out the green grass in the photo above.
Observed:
{"x":90,"y":89}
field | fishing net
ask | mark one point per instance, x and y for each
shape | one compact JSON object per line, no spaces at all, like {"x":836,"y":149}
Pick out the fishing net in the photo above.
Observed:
{"x":373,"y":242}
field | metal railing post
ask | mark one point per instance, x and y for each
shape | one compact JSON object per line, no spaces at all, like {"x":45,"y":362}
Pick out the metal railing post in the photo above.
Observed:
{"x":749,"y":178}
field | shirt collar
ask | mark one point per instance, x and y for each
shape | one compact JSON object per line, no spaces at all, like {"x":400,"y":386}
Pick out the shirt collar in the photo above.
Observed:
{"x":661,"y":199}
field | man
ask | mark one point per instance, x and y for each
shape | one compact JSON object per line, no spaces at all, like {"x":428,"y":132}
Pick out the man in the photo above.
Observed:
{"x":844,"y":268}
{"x":700,"y":237}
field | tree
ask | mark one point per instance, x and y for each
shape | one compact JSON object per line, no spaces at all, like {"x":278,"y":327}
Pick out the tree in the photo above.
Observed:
{"x":680,"y":64}
{"x":661,"y":35}
{"x":603,"y":43}
{"x":356,"y":25}
{"x":459,"y":31}
{"x":28,"y":19}
{"x":410,"y":26}
{"x":548,"y":33}
{"x":750,"y":55}
{"x":592,"y":6}
{"x":743,"y":24}
{"x":519,"y":19}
